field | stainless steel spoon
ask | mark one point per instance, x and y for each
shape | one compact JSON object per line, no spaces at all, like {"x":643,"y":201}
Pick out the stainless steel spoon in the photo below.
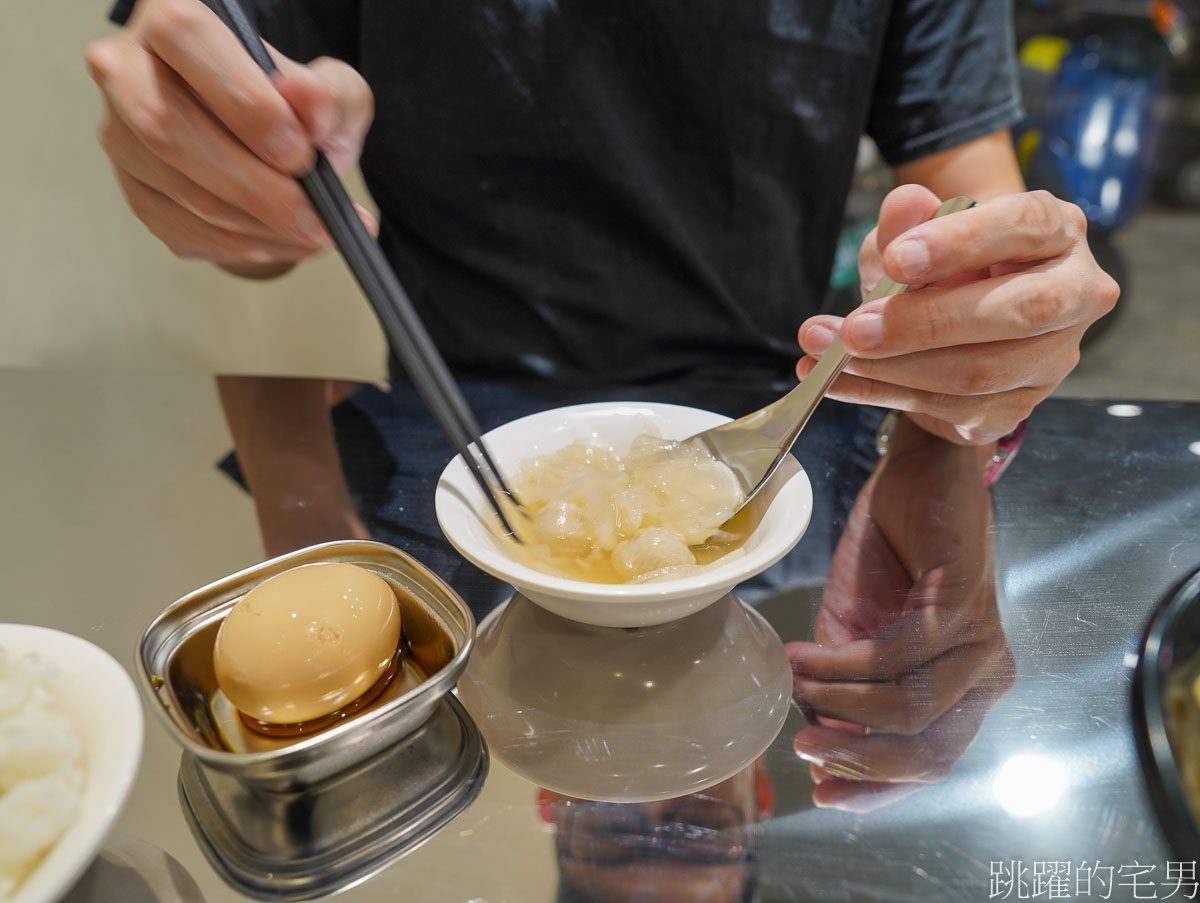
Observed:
{"x":752,"y":446}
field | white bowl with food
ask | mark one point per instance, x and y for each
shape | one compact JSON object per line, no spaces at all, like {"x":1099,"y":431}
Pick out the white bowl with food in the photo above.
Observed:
{"x":77,"y":707}
{"x":629,"y":569}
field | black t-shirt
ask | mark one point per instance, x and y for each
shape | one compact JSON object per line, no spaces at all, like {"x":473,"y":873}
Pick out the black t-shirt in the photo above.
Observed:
{"x":624,"y":190}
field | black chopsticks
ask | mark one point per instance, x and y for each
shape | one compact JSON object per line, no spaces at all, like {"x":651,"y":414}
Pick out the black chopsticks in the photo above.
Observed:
{"x":403,"y":327}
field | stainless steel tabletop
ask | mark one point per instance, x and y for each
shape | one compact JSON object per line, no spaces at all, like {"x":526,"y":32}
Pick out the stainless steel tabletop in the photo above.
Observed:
{"x":982,"y":777}
{"x":1096,"y":519}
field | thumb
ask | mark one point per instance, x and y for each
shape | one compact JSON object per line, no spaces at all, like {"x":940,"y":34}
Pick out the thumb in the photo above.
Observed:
{"x":904,"y":208}
{"x":333,"y":103}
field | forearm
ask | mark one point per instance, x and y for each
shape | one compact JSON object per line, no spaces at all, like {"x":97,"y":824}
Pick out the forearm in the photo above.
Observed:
{"x":981,"y":169}
{"x":283,"y":434}
{"x":901,"y":435}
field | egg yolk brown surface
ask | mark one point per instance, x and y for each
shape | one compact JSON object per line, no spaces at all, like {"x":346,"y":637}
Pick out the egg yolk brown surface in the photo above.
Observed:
{"x":307,"y":642}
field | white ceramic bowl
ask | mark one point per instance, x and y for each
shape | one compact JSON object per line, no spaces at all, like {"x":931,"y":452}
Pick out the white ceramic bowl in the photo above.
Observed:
{"x":465,"y":516}
{"x":97,"y":694}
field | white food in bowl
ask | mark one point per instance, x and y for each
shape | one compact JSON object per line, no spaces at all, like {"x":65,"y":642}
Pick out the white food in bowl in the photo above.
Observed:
{"x":655,"y":511}
{"x":464,"y":515}
{"x":41,"y":768}
{"x":96,"y":693}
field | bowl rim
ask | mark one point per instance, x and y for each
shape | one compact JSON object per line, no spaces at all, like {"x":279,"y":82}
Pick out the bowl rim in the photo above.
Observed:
{"x":790,"y":475}
{"x":64,"y":862}
{"x":1147,"y":699}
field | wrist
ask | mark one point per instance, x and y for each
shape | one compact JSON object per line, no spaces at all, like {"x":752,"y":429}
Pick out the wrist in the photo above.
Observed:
{"x":1005,"y":450}
{"x":257,"y":270}
{"x":898,"y":433}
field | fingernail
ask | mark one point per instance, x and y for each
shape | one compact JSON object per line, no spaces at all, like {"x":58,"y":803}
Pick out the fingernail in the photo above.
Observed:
{"x":285,"y":142}
{"x":810,"y":757}
{"x":864,"y":332}
{"x":837,"y":762}
{"x":368,"y":219}
{"x":819,"y":338}
{"x":833,"y":763}
{"x":913,"y":257}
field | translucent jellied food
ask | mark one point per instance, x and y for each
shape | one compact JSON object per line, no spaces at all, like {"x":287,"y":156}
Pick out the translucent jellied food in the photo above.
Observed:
{"x":307,"y":642}
{"x":660,"y":511}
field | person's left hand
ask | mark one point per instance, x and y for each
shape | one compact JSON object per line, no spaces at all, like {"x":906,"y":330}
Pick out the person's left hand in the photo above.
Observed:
{"x":1001,"y":296}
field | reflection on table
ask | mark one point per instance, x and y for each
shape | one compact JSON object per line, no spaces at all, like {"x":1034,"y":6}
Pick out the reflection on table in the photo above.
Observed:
{"x":977,"y":771}
{"x":134,"y":871}
{"x":615,"y":714}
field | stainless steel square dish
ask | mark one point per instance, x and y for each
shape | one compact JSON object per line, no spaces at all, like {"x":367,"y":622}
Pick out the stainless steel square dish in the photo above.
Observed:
{"x":303,"y":844}
{"x":175,"y":665}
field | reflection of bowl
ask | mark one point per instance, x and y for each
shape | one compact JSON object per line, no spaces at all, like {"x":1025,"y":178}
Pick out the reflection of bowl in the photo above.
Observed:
{"x":627,"y":715}
{"x":131,"y":870}
{"x":785,"y":506}
{"x":95,"y":692}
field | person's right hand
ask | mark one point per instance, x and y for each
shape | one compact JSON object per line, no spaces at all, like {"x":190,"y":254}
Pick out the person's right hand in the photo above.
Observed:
{"x":207,"y":147}
{"x":908,"y":652}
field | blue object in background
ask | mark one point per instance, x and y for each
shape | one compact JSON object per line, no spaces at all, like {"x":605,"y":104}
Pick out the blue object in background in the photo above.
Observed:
{"x":1099,"y":125}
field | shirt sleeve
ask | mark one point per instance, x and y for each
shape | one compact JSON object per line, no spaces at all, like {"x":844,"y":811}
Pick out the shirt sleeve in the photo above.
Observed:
{"x":300,"y":29}
{"x":948,"y":75}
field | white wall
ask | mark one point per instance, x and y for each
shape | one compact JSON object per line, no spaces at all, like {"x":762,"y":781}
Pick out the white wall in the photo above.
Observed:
{"x":84,"y":285}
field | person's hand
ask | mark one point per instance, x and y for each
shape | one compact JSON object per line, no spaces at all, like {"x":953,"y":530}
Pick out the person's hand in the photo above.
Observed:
{"x":207,"y":147}
{"x":909,"y":653}
{"x":1001,"y":296}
